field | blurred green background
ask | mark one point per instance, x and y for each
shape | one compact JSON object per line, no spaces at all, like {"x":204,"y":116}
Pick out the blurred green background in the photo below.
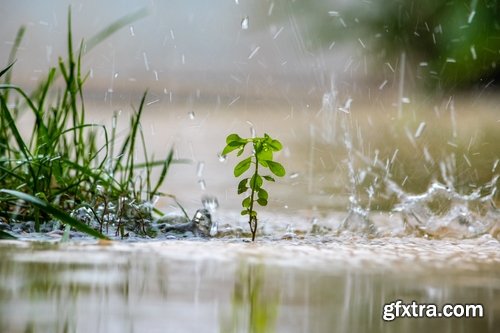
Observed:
{"x":448,"y":43}
{"x":272,"y":49}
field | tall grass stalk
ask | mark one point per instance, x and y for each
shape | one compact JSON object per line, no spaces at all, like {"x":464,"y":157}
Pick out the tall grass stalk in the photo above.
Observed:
{"x":63,"y":166}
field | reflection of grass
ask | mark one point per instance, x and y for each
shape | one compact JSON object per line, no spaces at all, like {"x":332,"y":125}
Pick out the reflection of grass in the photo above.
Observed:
{"x":254,"y":308}
{"x":62,"y":166}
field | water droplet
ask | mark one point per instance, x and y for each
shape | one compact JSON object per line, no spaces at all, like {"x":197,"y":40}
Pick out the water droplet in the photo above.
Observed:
{"x":420,"y":130}
{"x":146,"y":62}
{"x":270,"y":10}
{"x":278,"y":32}
{"x":254,"y":52}
{"x":132,"y":33}
{"x":333,"y":13}
{"x":244,"y":23}
{"x":210,"y":203}
{"x":199,"y":169}
{"x":473,"y":52}
{"x":116,"y":75}
{"x":294,"y":175}
{"x":471,"y":16}
{"x":221,"y":157}
{"x":289,"y":233}
{"x":202,"y":184}
{"x":327,"y":101}
{"x":214,"y":228}
{"x":191,"y":115}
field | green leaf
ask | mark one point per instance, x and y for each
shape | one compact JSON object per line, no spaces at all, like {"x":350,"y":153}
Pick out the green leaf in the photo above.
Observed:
{"x":6,"y":235}
{"x":244,"y":212}
{"x":233,"y":145}
{"x":262,"y":194}
{"x":262,"y":202}
{"x":256,"y":182}
{"x":6,"y":69}
{"x":233,"y":137}
{"x":246,"y":202}
{"x":269,"y":178}
{"x":275,"y":145}
{"x":227,"y":149}
{"x":265,"y":154}
{"x":276,"y":168}
{"x":242,"y":186}
{"x":263,"y":163}
{"x":243,"y":166}
{"x":56,"y":212}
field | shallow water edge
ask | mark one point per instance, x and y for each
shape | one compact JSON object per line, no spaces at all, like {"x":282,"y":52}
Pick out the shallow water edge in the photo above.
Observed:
{"x":324,"y":285}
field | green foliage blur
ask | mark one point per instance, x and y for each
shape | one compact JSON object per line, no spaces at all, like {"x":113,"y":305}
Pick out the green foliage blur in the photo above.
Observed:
{"x":447,"y":43}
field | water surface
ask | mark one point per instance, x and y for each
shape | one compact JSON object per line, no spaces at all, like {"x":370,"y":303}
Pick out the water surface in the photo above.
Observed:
{"x":317,"y":284}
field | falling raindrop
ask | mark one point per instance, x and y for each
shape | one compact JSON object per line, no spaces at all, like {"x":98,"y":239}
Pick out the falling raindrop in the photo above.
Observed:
{"x":495,"y":164}
{"x":254,"y":52}
{"x":420,"y":130}
{"x":244,"y":23}
{"x":252,"y":129}
{"x":294,"y":175}
{"x":132,"y":33}
{"x":152,"y":102}
{"x":191,"y":115}
{"x":146,"y":62}
{"x":202,"y":184}
{"x":278,"y":33}
{"x":199,"y":169}
{"x":270,"y":10}
{"x":473,"y":52}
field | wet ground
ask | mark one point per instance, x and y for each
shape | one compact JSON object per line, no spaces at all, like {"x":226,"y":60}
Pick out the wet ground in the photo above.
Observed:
{"x":316,"y":284}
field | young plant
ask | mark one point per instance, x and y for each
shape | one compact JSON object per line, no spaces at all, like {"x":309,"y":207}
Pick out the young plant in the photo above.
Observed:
{"x":262,"y":155}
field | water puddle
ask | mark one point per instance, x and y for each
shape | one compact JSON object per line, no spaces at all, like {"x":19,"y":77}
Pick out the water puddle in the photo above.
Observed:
{"x":308,"y":285}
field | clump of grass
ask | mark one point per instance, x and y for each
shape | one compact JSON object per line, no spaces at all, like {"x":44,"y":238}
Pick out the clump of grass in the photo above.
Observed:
{"x":62,"y":170}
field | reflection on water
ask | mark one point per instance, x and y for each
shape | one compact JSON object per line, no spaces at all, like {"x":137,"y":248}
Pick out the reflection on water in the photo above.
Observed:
{"x":223,"y":286}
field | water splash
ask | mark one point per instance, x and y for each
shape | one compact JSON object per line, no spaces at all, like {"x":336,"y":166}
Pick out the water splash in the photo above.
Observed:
{"x":442,"y":211}
{"x":357,"y":219}
{"x":210,"y":203}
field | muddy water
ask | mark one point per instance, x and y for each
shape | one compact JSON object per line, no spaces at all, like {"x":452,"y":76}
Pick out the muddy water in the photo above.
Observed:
{"x":336,"y":284}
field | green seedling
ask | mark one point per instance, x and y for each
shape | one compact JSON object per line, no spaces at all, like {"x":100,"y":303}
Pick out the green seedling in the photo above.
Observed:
{"x":262,"y":155}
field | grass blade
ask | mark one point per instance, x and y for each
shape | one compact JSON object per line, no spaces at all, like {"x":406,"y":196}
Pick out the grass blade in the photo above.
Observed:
{"x":6,"y":235}
{"x":5,"y":70}
{"x":163,"y":174}
{"x":57,"y":213}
